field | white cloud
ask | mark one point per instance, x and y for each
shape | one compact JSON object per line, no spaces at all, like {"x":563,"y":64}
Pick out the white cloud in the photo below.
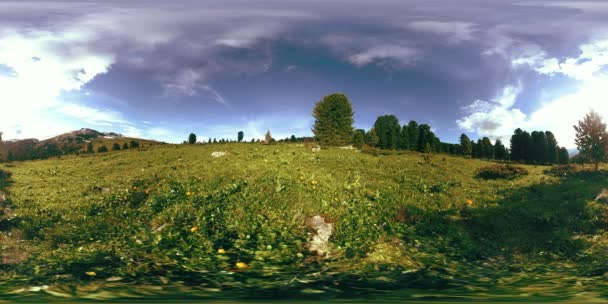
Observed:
{"x":45,"y":65}
{"x":402,"y":54}
{"x":495,"y":119}
{"x":455,"y":31}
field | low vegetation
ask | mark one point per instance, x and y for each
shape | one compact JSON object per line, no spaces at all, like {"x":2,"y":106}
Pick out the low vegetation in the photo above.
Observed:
{"x":501,"y":172}
{"x":176,"y":218}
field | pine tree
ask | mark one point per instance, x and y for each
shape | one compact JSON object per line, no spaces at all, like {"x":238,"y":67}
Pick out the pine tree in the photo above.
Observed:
{"x":552,"y":148}
{"x":116,"y":147}
{"x":192,"y":138}
{"x":564,"y":156}
{"x":240,"y":136}
{"x":333,"y":120}
{"x":424,"y":136}
{"x":359,"y":138}
{"x":387,"y":128}
{"x":404,"y":138}
{"x":90,"y":148}
{"x":371,"y":138}
{"x":268,"y":138}
{"x":592,"y":138}
{"x":500,"y":152}
{"x":465,"y":144}
{"x":412,"y":129}
{"x":125,"y":146}
{"x":102,"y":149}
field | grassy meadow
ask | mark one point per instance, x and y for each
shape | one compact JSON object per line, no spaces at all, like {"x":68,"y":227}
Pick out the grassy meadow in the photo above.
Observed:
{"x":172,"y":219}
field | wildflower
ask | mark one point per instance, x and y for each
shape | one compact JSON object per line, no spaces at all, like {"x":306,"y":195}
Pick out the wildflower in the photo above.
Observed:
{"x":147,"y":191}
{"x":221,"y":251}
{"x":469,"y":203}
{"x":314,"y":182}
{"x":125,"y":198}
{"x":194,"y":229}
{"x":188,"y":193}
{"x":241,"y":265}
{"x":90,"y":273}
{"x":134,"y":187}
{"x":314,"y":187}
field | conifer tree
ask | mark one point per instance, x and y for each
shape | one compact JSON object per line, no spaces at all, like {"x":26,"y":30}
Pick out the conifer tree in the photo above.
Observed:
{"x":333,"y":120}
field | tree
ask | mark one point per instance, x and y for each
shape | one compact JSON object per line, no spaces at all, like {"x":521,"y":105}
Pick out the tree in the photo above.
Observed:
{"x":520,"y":146}
{"x":371,"y":138}
{"x":333,"y":120}
{"x":412,"y":129}
{"x":500,"y":152}
{"x":564,"y":156}
{"x":90,"y":148}
{"x":240,"y":136}
{"x":125,"y":146}
{"x":424,"y":136}
{"x":268,"y":138}
{"x":538,"y":149}
{"x":404,"y":138}
{"x":387,"y":128}
{"x":102,"y":149}
{"x":359,"y":138}
{"x":552,"y":148}
{"x":192,"y":138}
{"x":592,"y":138}
{"x":116,"y":147}
{"x":1,"y":148}
{"x":293,"y":138}
{"x":465,"y":144}
{"x":486,"y":149}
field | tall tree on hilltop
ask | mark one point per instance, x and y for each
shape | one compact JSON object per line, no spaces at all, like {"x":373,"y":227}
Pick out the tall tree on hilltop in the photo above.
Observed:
{"x":388,"y":129}
{"x":592,"y":138}
{"x":412,"y":129}
{"x":465,"y":145}
{"x":192,"y":138}
{"x":240,"y":136}
{"x":333,"y":120}
{"x":404,"y":138}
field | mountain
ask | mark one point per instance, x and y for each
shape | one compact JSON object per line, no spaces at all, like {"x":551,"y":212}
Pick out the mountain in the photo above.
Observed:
{"x":67,"y":143}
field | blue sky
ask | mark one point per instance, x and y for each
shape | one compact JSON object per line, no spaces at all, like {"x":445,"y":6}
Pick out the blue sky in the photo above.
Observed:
{"x":160,"y":69}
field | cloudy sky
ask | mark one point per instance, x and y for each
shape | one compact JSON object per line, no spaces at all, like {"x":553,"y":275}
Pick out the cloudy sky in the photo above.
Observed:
{"x":163,"y":69}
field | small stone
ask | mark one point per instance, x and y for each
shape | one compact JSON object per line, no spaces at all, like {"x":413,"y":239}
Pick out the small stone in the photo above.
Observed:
{"x":218,"y":154}
{"x":316,"y":149}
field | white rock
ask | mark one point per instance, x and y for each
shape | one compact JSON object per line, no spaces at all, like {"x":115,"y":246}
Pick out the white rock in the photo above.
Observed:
{"x":218,"y":154}
{"x":320,"y":241}
{"x":348,"y":147}
{"x":316,"y":149}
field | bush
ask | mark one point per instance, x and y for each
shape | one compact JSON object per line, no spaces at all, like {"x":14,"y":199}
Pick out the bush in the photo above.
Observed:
{"x":370,"y":150}
{"x":501,"y":172}
{"x":562,"y":170}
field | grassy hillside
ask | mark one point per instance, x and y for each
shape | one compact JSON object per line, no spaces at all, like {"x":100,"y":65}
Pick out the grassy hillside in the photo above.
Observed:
{"x":172,"y":219}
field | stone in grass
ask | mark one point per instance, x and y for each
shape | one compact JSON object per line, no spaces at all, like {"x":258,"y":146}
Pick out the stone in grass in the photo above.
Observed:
{"x":316,"y":149}
{"x":218,"y":154}
{"x":602,"y":196}
{"x":320,"y":240}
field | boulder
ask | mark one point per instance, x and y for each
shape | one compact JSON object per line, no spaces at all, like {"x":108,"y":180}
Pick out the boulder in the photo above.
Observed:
{"x":320,"y":240}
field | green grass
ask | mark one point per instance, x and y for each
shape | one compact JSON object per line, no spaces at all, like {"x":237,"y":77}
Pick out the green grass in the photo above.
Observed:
{"x":406,"y":226}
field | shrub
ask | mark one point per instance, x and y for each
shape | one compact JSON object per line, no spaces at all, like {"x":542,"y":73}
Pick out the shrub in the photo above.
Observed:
{"x":102,"y":149}
{"x":369,"y":150}
{"x":501,"y":172}
{"x":562,"y":170}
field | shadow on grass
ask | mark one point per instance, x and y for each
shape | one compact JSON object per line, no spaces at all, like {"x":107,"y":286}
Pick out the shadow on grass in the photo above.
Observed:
{"x":5,"y":180}
{"x":541,"y":218}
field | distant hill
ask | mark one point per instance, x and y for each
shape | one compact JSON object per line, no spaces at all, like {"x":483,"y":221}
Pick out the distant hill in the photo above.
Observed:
{"x":67,"y":143}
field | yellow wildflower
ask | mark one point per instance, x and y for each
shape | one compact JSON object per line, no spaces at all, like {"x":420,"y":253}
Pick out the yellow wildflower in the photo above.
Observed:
{"x":469,"y":203}
{"x":134,"y":187}
{"x":188,"y":193}
{"x":194,"y":229}
{"x":221,"y":251}
{"x":241,"y":265}
{"x":90,"y":273}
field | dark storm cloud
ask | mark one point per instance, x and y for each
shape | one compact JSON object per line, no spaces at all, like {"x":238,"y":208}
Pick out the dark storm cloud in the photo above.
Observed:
{"x":404,"y":57}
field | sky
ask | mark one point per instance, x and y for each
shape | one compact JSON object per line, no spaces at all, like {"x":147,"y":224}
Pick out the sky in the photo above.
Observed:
{"x":164,"y":69}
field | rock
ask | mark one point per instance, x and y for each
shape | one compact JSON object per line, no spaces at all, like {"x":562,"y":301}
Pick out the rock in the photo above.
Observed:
{"x":218,"y":154}
{"x":323,"y":231}
{"x":3,"y":197}
{"x":602,"y":196}
{"x":348,"y":148}
{"x":316,"y":149}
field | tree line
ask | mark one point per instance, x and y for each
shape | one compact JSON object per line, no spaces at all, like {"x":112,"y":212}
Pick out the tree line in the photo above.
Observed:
{"x":334,"y":127}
